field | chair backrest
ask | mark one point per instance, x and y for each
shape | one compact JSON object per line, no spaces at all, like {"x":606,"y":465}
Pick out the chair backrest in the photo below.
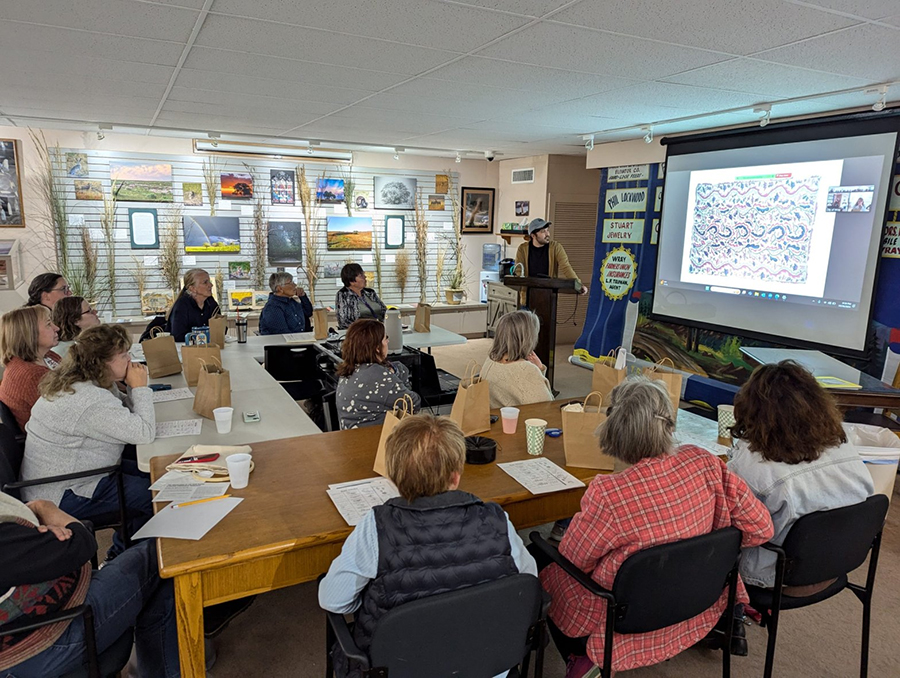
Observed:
{"x":7,"y":418}
{"x":828,"y":544}
{"x":670,"y":583}
{"x":11,"y":453}
{"x":477,"y":631}
{"x":157,"y":321}
{"x":291,"y":363}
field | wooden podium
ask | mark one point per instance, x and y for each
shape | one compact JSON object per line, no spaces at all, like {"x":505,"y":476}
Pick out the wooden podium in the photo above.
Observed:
{"x":541,"y":299}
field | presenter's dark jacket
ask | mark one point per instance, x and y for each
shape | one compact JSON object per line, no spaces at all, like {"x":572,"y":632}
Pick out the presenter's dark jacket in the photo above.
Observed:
{"x":286,"y":315}
{"x":186,"y":315}
{"x":558,"y":259}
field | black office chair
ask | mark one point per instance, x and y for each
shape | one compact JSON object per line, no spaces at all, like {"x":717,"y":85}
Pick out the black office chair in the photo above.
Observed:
{"x":11,"y":454}
{"x":476,"y":631}
{"x":157,"y":321}
{"x":296,"y":369}
{"x":9,"y":420}
{"x":107,"y":664}
{"x":822,"y":546}
{"x":663,"y":585}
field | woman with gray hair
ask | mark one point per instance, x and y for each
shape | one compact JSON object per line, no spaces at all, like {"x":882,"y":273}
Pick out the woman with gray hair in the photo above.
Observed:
{"x":666,"y":494}
{"x":513,"y":371}
{"x":288,"y":309}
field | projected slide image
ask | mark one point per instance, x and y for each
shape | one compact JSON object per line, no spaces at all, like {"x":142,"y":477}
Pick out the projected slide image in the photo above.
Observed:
{"x":850,"y":198}
{"x":764,"y":227}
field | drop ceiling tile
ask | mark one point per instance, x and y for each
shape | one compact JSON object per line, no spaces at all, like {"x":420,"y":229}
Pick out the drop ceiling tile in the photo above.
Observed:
{"x":59,"y":84}
{"x":526,"y":129}
{"x":828,"y":105}
{"x":602,"y":106}
{"x":767,"y":79}
{"x":589,"y":51}
{"x":323,"y":47}
{"x":266,"y":87}
{"x":232,"y":101}
{"x":270,"y":115}
{"x":533,"y":8}
{"x":130,"y":116}
{"x":424,"y":90}
{"x":892,"y":20}
{"x":685,"y":97}
{"x":406,"y":124}
{"x":868,"y":52}
{"x":189,"y":4}
{"x":227,"y":62}
{"x":733,"y":27}
{"x":73,"y":45}
{"x":552,"y":117}
{"x":415,"y":22}
{"x":223,"y":123}
{"x":36,"y":66}
{"x":869,"y":9}
{"x":137,"y":20}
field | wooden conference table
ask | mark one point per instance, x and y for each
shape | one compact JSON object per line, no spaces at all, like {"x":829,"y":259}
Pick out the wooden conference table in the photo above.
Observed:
{"x":287,"y":531}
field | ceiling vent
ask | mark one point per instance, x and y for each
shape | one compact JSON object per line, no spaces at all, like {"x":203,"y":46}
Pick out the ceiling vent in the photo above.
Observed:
{"x":523,"y":176}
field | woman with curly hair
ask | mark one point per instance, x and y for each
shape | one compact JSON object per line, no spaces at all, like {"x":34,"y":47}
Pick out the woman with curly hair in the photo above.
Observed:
{"x":793,"y":453}
{"x":82,"y":421}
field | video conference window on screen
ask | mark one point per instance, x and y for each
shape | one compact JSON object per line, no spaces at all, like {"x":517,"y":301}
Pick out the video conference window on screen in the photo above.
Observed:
{"x":749,"y":233}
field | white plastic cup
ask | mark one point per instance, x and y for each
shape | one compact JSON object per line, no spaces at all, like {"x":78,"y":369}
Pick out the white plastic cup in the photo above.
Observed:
{"x":223,"y":417}
{"x":510,"y":418}
{"x":238,"y":469}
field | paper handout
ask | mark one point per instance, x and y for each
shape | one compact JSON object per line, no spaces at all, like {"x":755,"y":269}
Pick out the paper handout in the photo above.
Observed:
{"x":540,"y":475}
{"x":188,"y":522}
{"x":181,"y":427}
{"x":356,"y":498}
{"x":172,"y":394}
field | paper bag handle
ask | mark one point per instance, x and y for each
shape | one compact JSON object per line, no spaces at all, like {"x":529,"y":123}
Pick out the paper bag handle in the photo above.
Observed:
{"x":588,"y":397}
{"x":662,"y":363}
{"x":471,"y":373}
{"x":406,"y":405}
{"x":156,"y":331}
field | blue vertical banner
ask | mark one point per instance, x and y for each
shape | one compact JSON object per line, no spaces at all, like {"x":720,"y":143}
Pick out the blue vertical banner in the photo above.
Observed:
{"x":624,"y":253}
{"x":886,"y":311}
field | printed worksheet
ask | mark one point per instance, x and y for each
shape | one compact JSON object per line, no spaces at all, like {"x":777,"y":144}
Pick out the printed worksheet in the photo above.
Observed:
{"x":180,"y":427}
{"x":300,"y":338}
{"x":355,"y":499}
{"x":540,"y":475}
{"x":190,"y":490}
{"x":172,"y":394}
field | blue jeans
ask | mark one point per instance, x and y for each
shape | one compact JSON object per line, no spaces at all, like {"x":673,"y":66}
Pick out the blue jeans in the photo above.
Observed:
{"x":127,"y":593}
{"x":105,"y":500}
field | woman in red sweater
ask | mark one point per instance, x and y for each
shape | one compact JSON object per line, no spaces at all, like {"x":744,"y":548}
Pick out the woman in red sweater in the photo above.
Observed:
{"x":26,"y":337}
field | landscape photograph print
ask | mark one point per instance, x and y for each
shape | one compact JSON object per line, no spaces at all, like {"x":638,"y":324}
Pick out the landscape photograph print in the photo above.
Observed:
{"x":285,"y":239}
{"x":330,"y":191}
{"x":141,"y":180}
{"x":349,"y":233}
{"x":237,"y":185}
{"x":212,"y":234}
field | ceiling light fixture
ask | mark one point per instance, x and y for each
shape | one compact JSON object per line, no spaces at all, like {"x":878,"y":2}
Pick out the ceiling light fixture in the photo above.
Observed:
{"x":458,"y":159}
{"x":397,"y":151}
{"x":247,"y":149}
{"x":879,"y":105}
{"x":214,"y":138}
{"x":648,"y":134}
{"x":589,"y":143}
{"x":100,"y":136}
{"x":100,"y":129}
{"x":766,"y":112}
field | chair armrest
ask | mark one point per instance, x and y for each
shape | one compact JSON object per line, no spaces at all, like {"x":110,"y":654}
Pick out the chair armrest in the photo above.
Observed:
{"x":769,"y":546}
{"x":66,"y":476}
{"x":52,"y":618}
{"x":345,"y":639}
{"x":569,"y":567}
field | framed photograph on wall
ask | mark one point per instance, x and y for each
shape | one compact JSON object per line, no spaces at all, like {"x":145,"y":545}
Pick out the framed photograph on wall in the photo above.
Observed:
{"x":11,"y":213}
{"x":477,"y":210}
{"x":395,"y":193}
{"x":282,"y":187}
{"x":348,"y":233}
{"x":144,"y":227}
{"x":394,"y":231}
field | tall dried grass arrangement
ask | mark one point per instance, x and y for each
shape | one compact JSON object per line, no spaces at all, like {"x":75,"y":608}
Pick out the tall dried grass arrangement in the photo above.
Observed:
{"x":83,"y":280}
{"x":349,"y":186}
{"x":220,"y":286}
{"x":376,"y":247}
{"x":169,"y":249}
{"x":421,"y":222}
{"x":458,"y":277}
{"x":439,"y":263}
{"x":139,"y":272}
{"x":260,"y":234}
{"x":53,"y":194}
{"x":108,"y":226}
{"x":313,"y":247}
{"x":211,"y":180}
{"x":401,"y":270}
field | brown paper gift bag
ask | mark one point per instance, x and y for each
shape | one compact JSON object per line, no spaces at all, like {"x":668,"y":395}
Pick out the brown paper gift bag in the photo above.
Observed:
{"x":403,"y":407}
{"x":472,"y":406}
{"x":320,"y":323}
{"x":192,"y":357}
{"x":671,"y":379}
{"x":579,"y":442}
{"x":213,"y":389}
{"x":423,"y":318}
{"x":606,"y":377}
{"x":218,"y":326}
{"x":161,"y":355}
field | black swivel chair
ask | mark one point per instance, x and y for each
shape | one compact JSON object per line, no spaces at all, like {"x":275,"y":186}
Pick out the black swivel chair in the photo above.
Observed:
{"x":663,"y":585}
{"x":477,"y":631}
{"x":8,"y":419}
{"x":107,"y":664}
{"x":11,"y":453}
{"x":819,"y":547}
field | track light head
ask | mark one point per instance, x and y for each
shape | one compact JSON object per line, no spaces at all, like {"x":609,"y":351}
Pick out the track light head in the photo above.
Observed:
{"x":879,"y":105}
{"x":100,"y":136}
{"x":766,"y":113}
{"x":589,"y":143}
{"x":458,"y":159}
{"x":648,"y":134}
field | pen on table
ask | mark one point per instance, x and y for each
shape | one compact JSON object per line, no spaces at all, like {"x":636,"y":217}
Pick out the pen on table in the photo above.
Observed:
{"x":199,"y":501}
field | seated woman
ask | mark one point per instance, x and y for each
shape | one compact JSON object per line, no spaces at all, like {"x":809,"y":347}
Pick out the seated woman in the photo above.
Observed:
{"x":425,"y":456}
{"x":667,"y":494}
{"x":26,"y":337}
{"x":45,"y":567}
{"x":514,"y":372}
{"x":46,"y":289}
{"x":82,"y":421}
{"x":369,"y":383}
{"x":288,"y":309}
{"x":71,"y":315}
{"x":354,"y":300}
{"x":793,"y":453}
{"x":194,"y":305}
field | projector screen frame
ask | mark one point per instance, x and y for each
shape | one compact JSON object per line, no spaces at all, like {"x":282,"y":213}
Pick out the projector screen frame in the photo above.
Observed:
{"x":816,"y":129}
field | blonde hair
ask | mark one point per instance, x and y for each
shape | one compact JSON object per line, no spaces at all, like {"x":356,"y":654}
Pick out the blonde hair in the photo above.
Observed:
{"x":640,"y":421}
{"x":423,"y":453}
{"x":188,"y":281}
{"x":19,"y":332}
{"x":516,"y":336}
{"x":86,"y":361}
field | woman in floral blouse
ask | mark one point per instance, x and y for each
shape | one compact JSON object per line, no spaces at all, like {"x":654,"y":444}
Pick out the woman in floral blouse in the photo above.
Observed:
{"x":354,"y":300}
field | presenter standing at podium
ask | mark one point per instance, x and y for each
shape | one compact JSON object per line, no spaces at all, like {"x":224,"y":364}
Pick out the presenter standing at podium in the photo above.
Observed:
{"x":542,"y":257}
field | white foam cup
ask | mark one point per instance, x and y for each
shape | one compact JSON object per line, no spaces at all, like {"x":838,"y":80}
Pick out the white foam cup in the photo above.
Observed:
{"x":223,"y":417}
{"x":238,"y":470}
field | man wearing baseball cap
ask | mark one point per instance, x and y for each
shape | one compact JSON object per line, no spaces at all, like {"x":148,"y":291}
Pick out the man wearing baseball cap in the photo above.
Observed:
{"x":541,"y":256}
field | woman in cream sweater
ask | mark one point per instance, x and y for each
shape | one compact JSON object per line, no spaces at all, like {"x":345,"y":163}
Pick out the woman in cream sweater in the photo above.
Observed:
{"x":514,"y":372}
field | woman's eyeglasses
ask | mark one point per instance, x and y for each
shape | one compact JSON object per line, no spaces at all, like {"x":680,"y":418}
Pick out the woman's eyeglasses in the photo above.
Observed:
{"x":65,"y":288}
{"x":90,"y":311}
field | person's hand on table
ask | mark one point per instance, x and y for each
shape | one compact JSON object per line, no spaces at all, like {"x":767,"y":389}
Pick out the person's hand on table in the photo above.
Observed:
{"x":52,"y":518}
{"x":137,"y":375}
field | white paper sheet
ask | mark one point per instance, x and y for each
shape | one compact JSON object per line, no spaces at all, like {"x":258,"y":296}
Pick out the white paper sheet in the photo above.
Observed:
{"x":190,"y":490}
{"x":540,"y":475}
{"x":355,"y":499}
{"x":181,"y":427}
{"x":188,"y":522}
{"x":172,"y":394}
{"x":168,"y":478}
{"x":189,"y":260}
{"x":300,"y":338}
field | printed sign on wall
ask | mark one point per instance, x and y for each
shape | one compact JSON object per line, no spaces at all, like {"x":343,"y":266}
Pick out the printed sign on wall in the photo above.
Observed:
{"x":626,"y":199}
{"x":617,"y":273}
{"x":895,"y":193}
{"x":629,"y":173}
{"x":623,"y":230}
{"x":890,"y":248}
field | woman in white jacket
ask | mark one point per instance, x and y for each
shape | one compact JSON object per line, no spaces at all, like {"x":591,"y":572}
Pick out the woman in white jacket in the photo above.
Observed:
{"x":513,"y":371}
{"x":83,"y":421}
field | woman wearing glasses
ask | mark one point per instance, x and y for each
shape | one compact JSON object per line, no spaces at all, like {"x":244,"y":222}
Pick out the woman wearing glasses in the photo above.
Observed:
{"x":354,"y":300}
{"x":71,"y":315}
{"x":46,"y":289}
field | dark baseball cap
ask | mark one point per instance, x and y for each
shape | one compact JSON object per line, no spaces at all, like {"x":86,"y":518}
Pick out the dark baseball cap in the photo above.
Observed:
{"x":536,"y":225}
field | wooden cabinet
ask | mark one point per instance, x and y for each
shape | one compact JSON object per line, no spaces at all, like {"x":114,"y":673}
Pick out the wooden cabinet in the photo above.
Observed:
{"x":500,"y":301}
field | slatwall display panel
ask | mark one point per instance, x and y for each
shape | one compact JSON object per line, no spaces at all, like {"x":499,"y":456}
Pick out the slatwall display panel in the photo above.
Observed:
{"x":189,"y":169}
{"x":572,"y":221}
